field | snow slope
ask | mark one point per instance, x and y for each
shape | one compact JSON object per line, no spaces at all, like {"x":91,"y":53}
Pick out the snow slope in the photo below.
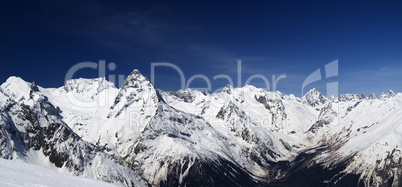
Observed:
{"x":13,"y":173}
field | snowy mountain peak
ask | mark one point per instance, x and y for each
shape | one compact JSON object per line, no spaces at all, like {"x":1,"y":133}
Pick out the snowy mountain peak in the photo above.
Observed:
{"x":372,"y":96}
{"x":88,"y":86}
{"x":227,"y":89}
{"x":389,"y":94}
{"x":137,"y":93}
{"x":185,"y":95}
{"x":249,"y":87}
{"x":313,"y":91}
{"x":16,"y":88}
{"x":134,"y":78}
{"x":314,"y":98}
{"x":350,"y":97}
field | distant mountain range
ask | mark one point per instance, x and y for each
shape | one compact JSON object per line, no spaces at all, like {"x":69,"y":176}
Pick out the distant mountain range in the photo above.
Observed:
{"x":137,"y":135}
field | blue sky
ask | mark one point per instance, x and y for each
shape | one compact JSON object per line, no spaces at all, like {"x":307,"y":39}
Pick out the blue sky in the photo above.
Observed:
{"x":42,"y":40}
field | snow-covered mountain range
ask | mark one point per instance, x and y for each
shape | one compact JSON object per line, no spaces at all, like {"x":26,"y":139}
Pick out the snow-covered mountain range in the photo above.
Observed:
{"x":137,"y":136}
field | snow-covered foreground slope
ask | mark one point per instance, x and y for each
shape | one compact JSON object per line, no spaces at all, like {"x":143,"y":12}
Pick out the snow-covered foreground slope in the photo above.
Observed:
{"x":239,"y":136}
{"x":13,"y":173}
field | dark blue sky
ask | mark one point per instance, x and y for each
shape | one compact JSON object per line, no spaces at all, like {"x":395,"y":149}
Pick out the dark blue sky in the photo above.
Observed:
{"x":41,"y":40}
